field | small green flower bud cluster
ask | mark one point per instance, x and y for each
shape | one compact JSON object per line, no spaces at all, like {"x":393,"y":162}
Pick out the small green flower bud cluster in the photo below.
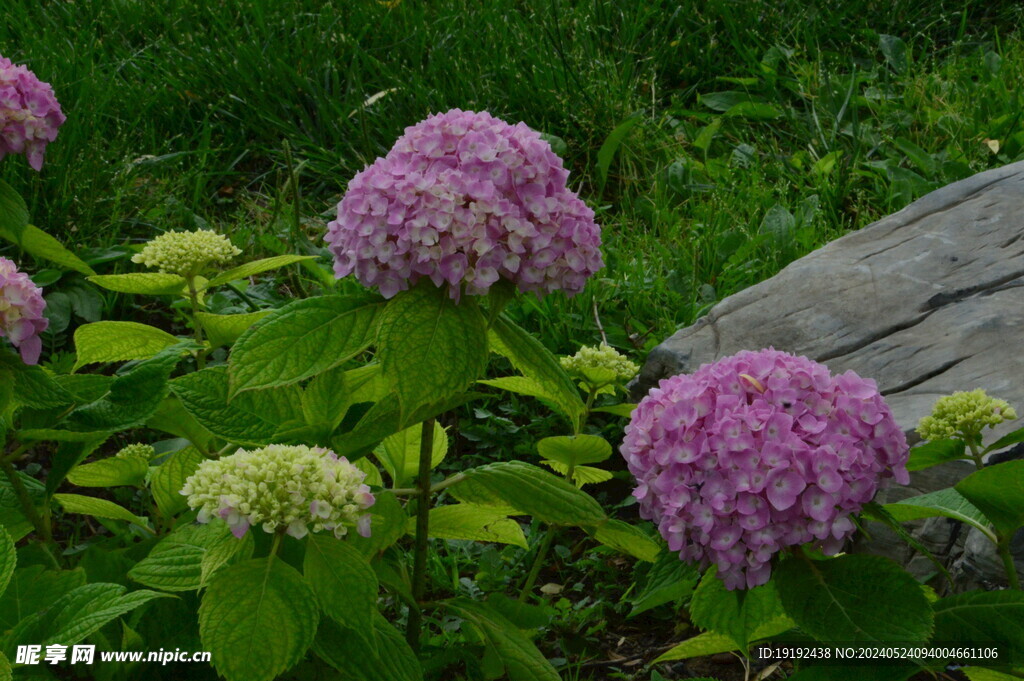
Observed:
{"x":298,"y":488}
{"x":964,"y":414}
{"x":601,"y":364}
{"x":137,"y":450}
{"x":186,"y":253}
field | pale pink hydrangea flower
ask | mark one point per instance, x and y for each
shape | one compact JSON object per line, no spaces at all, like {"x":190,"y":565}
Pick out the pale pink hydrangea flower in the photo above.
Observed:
{"x":29,"y":113}
{"x":758,"y":452}
{"x":466,"y":199}
{"x":21,"y":311}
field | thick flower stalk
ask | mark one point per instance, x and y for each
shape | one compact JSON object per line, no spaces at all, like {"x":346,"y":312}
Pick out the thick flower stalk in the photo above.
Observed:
{"x":758,"y":452}
{"x":466,"y":199}
{"x":187,"y":253}
{"x":296,"y":489}
{"x":601,"y":364}
{"x":29,"y":113}
{"x":21,"y":311}
{"x":965,"y":415}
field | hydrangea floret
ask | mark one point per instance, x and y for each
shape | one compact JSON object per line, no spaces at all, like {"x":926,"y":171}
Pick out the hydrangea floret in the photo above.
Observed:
{"x":466,"y":199}
{"x":965,"y":415}
{"x":758,"y":452}
{"x":29,"y":113}
{"x":296,"y":489}
{"x":186,"y":253}
{"x":21,"y":311}
{"x":600,"y":364}
{"x":137,"y":451}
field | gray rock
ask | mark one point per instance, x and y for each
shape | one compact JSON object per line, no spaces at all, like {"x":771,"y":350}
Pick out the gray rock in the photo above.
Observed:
{"x":926,"y":301}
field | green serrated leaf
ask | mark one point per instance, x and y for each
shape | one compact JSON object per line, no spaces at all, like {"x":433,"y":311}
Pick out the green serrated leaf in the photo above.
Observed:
{"x":627,"y":539}
{"x":99,"y":508}
{"x":35,"y":241}
{"x":68,"y":455}
{"x":225,"y":329}
{"x":387,"y":525}
{"x":13,"y":213}
{"x":6,"y":673}
{"x":346,"y":650}
{"x":947,"y":502}
{"x":255,"y":267}
{"x":167,"y":479}
{"x":989,"y":618}
{"x":668,"y":580}
{"x":581,"y":475}
{"x":225,"y":551}
{"x":110,"y":472}
{"x":257,"y":619}
{"x":430,"y":348}
{"x":1006,"y":441}
{"x":625,"y":409}
{"x":530,"y":490}
{"x":10,"y":508}
{"x":146,"y":283}
{"x":300,"y":340}
{"x":474,"y":522}
{"x":118,"y":341}
{"x":936,"y":452}
{"x":33,"y":589}
{"x":326,"y":399}
{"x":170,"y":417}
{"x":854,"y":598}
{"x":708,"y":643}
{"x":342,"y":580}
{"x":399,"y":453}
{"x":33,"y":386}
{"x":8,"y":558}
{"x":176,"y":562}
{"x":998,"y":492}
{"x":742,"y":615}
{"x":575,"y":450}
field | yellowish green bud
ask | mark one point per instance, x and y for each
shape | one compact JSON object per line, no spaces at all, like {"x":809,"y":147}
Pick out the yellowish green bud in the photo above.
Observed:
{"x":137,"y":450}
{"x":600,"y":365}
{"x":964,"y":414}
{"x":186,"y":253}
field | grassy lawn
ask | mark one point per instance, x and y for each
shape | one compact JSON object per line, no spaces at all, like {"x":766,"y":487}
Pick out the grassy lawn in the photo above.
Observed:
{"x":718,"y":141}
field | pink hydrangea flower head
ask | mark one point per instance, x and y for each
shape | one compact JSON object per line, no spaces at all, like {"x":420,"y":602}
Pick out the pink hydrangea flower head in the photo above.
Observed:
{"x":29,"y":113}
{"x":21,"y":311}
{"x":466,"y":199}
{"x":757,"y":452}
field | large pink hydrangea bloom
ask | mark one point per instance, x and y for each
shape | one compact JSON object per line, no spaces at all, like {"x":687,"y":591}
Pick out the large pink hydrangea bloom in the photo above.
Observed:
{"x":29,"y":113}
{"x":466,"y":199}
{"x":21,"y":311}
{"x":757,"y":452}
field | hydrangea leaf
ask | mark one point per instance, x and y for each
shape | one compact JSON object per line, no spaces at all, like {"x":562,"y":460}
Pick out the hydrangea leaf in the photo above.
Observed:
{"x":387,"y":525}
{"x":708,"y":643}
{"x":529,"y":356}
{"x":167,"y":479}
{"x":171,"y":417}
{"x":518,"y":654}
{"x":175,"y":563}
{"x":947,"y":502}
{"x":6,"y":673}
{"x":251,"y":418}
{"x":668,"y":580}
{"x":854,"y":598}
{"x":998,"y":491}
{"x":933,"y":453}
{"x":531,"y":490}
{"x":300,"y":340}
{"x":109,"y":472}
{"x":581,"y":475}
{"x":225,"y":551}
{"x":257,"y":619}
{"x":399,"y":453}
{"x":625,"y":409}
{"x":118,"y":341}
{"x":11,"y":517}
{"x":33,"y":386}
{"x":256,"y":267}
{"x":574,"y":450}
{"x":474,"y":522}
{"x":326,"y":399}
{"x":13,"y":213}
{"x":68,"y":455}
{"x":985,"y":674}
{"x":225,"y":329}
{"x":741,"y":615}
{"x":40,"y":244}
{"x":346,"y":650}
{"x":8,"y":558}
{"x":1006,"y":440}
{"x":98,"y":508}
{"x":983,"y":617}
{"x":430,"y":348}
{"x":627,"y":539}
{"x":146,"y":283}
{"x":342,"y":580}
{"x":35,"y":588}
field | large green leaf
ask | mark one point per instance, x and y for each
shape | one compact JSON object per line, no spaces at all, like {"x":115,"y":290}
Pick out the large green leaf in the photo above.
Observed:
{"x":518,"y":654}
{"x":176,"y":562}
{"x":8,"y":558}
{"x":13,"y":213}
{"x":167,"y":479}
{"x":257,"y":619}
{"x":326,"y":399}
{"x":529,"y":356}
{"x":147,"y":283}
{"x":171,"y":417}
{"x":118,"y":341}
{"x":342,"y":580}
{"x":110,"y":472}
{"x":33,"y":386}
{"x":35,"y":588}
{"x":430,"y":348}
{"x":225,"y":329}
{"x":530,"y":490}
{"x":69,"y":454}
{"x":854,"y":598}
{"x":998,"y":491}
{"x":255,"y":267}
{"x":251,"y":418}
{"x":387,"y":525}
{"x":98,"y":508}
{"x":708,"y":643}
{"x":948,"y":503}
{"x":346,"y":650}
{"x":574,"y":450}
{"x":935,"y":452}
{"x":581,"y":475}
{"x":399,"y":453}
{"x":626,"y":538}
{"x":983,"y":618}
{"x":35,"y":241}
{"x":300,"y":340}
{"x":474,"y":522}
{"x":668,"y":580}
{"x":10,"y":508}
{"x":1006,"y":440}
{"x":744,"y":616}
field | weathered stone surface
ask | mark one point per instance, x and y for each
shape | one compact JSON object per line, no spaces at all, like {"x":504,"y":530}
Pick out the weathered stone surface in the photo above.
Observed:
{"x":926,"y":301}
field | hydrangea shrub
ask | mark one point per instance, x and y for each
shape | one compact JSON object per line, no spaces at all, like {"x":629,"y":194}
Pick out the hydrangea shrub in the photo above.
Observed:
{"x":758,"y":452}
{"x":30,"y":114}
{"x":21,"y":311}
{"x":465,"y":199}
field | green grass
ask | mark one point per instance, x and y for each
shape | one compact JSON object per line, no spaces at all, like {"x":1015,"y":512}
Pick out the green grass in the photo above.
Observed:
{"x":833,"y":114}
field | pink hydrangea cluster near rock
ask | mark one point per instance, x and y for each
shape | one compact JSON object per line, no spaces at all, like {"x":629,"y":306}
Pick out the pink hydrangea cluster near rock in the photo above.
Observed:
{"x":466,"y":199}
{"x":758,"y":452}
{"x":29,"y":113}
{"x":21,"y":311}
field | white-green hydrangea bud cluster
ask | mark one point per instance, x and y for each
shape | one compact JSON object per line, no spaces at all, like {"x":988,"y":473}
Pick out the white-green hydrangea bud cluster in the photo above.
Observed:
{"x":137,"y":450}
{"x":964,"y":414}
{"x":600,"y":364}
{"x":298,"y":488}
{"x":186,"y":253}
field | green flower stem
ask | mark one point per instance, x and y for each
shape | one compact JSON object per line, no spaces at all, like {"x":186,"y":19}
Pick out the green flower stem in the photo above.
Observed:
{"x":1002,"y":541}
{"x":419,"y":563}
{"x":41,"y":526}
{"x":415,"y":491}
{"x":538,"y":563}
{"x":193,"y":297}
{"x":16,"y":453}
